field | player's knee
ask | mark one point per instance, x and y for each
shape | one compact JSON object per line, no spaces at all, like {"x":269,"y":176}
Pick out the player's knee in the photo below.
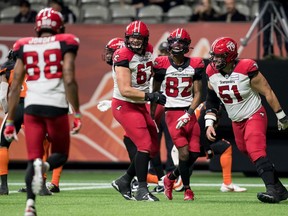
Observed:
{"x":56,"y":160}
{"x":220,"y":146}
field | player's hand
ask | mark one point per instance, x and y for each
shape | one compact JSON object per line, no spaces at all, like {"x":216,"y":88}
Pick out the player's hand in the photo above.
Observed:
{"x":183,"y":120}
{"x":210,"y":133}
{"x":104,"y":105}
{"x":283,"y":123}
{"x":156,"y":97}
{"x":10,"y":131}
{"x":77,"y":123}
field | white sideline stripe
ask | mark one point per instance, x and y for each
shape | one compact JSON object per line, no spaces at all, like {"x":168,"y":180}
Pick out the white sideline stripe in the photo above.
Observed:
{"x":91,"y":186}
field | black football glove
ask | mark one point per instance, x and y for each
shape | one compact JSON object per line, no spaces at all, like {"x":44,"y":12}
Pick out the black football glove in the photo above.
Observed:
{"x":157,"y":97}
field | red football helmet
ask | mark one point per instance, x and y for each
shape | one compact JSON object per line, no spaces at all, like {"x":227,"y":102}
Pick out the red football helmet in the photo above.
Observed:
{"x":225,"y":49}
{"x":139,"y":30}
{"x":179,"y":41}
{"x":111,"y":47}
{"x":49,"y":20}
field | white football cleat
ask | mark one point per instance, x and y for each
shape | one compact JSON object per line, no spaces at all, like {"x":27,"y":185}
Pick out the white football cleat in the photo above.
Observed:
{"x":231,"y":188}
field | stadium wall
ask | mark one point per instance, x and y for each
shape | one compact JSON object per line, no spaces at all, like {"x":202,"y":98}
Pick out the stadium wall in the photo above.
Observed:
{"x":100,"y":140}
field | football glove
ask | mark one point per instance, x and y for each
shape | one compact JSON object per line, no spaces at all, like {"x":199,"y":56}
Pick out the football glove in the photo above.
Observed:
{"x":156,"y":97}
{"x":283,"y":123}
{"x":10,"y":131}
{"x":183,"y":120}
{"x":282,"y":120}
{"x":77,"y":123}
{"x":104,"y":105}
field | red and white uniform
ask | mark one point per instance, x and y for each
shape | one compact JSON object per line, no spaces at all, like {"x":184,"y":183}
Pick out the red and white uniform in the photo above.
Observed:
{"x":46,"y":106}
{"x":43,"y":58}
{"x":133,"y":115}
{"x":140,"y":67}
{"x":243,"y":105}
{"x":235,"y":90}
{"x":177,"y":83}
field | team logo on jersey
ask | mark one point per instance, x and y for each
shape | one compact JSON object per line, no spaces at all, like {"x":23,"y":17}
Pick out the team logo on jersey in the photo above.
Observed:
{"x":119,"y":107}
{"x":180,"y":69}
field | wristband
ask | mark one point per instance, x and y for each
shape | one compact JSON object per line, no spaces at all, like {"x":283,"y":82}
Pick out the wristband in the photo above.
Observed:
{"x":190,"y":111}
{"x":9,"y":122}
{"x":209,"y":120}
{"x":77,"y":115}
{"x":280,"y":114}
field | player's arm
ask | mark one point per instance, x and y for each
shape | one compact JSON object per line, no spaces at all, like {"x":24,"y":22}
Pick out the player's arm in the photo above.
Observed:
{"x":4,"y":86}
{"x":15,"y":88}
{"x":123,"y":76}
{"x":260,"y":84}
{"x":212,"y":105}
{"x":70,"y":83}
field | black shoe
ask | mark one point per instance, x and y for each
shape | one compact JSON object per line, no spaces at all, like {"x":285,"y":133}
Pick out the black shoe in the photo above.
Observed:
{"x":123,"y":187}
{"x":282,"y":191}
{"x":271,"y":196}
{"x":142,"y":194}
{"x":53,"y":188}
{"x":158,"y":189}
{"x":22,"y":190}
{"x":44,"y":191}
{"x":134,"y":185}
{"x":4,"y":191}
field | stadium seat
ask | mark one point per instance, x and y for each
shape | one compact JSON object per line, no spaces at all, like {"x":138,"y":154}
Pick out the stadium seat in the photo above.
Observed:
{"x":151,"y":14}
{"x":113,"y":3}
{"x":123,"y":15}
{"x":96,"y":14}
{"x":7,"y":14}
{"x":40,"y":2}
{"x":38,"y":7}
{"x":70,"y":2}
{"x":75,"y":9}
{"x":85,"y":3}
{"x":179,"y":14}
{"x":243,"y":9}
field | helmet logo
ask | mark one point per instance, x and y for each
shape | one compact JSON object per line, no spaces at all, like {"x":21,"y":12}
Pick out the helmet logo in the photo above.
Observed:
{"x":231,"y":46}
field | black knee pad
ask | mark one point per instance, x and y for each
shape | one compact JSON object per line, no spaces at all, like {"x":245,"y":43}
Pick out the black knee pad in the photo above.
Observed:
{"x":220,"y":146}
{"x":263,"y":164}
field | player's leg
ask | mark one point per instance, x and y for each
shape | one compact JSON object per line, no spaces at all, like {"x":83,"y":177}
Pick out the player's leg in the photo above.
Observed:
{"x":4,"y":148}
{"x":35,"y":134}
{"x":44,"y":191}
{"x":224,"y":149}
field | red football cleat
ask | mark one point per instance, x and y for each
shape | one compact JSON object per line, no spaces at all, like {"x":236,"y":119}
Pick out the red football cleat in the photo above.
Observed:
{"x":168,"y":187}
{"x":188,"y":195}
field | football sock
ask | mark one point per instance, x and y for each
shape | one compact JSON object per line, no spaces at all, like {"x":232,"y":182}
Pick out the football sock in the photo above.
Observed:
{"x":174,"y":175}
{"x":4,"y":160}
{"x":130,"y":146}
{"x":184,"y":171}
{"x":141,"y":165}
{"x":28,"y":180}
{"x":265,"y":170}
{"x":131,"y":169}
{"x":46,"y":147}
{"x":226,"y":164}
{"x":56,"y":176}
{"x":157,"y":165}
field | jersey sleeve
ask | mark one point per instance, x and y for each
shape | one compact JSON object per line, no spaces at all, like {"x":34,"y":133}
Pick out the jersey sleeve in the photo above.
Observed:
{"x":69,"y":43}
{"x":159,"y":68}
{"x":121,"y":57}
{"x":199,"y":66}
{"x":18,"y":47}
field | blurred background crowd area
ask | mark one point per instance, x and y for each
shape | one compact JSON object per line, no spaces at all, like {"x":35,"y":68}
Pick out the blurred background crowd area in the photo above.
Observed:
{"x":125,"y":11}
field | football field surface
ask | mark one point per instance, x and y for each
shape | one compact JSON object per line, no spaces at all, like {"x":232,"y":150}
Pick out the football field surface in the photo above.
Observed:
{"x":90,"y":193}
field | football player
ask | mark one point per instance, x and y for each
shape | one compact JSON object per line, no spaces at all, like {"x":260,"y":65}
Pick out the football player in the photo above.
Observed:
{"x":180,"y":77}
{"x":49,"y":60}
{"x":238,"y":84}
{"x":132,"y":70}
